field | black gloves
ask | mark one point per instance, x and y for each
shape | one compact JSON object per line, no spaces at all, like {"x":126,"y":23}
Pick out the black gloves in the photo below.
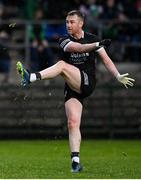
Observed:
{"x":105,"y":42}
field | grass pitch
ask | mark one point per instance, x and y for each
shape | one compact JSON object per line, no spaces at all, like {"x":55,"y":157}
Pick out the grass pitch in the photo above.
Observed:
{"x":50,"y":159}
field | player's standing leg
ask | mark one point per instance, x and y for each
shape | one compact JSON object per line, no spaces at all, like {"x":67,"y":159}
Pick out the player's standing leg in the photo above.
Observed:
{"x":73,"y":107}
{"x":73,"y":110}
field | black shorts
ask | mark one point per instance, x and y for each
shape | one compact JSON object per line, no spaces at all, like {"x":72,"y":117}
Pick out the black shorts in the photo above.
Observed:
{"x":88,"y":83}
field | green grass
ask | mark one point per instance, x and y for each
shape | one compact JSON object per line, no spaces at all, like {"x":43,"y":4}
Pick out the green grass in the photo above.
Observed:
{"x":51,"y":159}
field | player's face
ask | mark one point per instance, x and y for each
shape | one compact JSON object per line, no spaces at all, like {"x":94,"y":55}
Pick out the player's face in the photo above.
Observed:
{"x":74,"y":24}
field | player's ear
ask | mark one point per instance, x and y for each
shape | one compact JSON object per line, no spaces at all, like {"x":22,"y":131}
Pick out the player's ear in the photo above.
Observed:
{"x":81,"y":23}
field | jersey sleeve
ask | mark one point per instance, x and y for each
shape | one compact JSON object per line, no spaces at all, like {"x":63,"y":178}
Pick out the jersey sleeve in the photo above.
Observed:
{"x":64,"y":42}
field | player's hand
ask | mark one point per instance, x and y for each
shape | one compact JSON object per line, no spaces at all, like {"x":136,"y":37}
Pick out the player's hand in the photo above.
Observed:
{"x":124,"y":79}
{"x":105,"y":42}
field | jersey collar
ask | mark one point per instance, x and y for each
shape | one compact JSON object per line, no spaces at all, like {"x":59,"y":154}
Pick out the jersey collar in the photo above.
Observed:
{"x":83,"y":33}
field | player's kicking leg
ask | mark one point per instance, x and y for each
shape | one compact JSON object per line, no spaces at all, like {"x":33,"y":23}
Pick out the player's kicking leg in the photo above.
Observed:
{"x":25,"y":74}
{"x":70,"y":74}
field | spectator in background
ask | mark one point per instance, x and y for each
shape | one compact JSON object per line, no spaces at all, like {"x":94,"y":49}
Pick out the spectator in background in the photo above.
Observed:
{"x":114,"y":12}
{"x":31,"y":6}
{"x":5,"y":60}
{"x":129,"y":8}
{"x":92,"y":10}
{"x":134,"y":49}
{"x":137,"y":28}
{"x":11,"y":9}
{"x":110,"y":10}
{"x":1,"y":11}
{"x":41,"y":54}
{"x":113,"y":27}
{"x":57,"y":10}
{"x":29,"y":9}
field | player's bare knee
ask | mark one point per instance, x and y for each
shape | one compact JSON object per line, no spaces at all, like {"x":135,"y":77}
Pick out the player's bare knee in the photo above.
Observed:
{"x":72,"y":123}
{"x":62,"y":65}
{"x":65,"y":67}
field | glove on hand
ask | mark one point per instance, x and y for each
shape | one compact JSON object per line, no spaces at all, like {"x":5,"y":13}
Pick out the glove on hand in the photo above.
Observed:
{"x":122,"y":78}
{"x":105,"y":42}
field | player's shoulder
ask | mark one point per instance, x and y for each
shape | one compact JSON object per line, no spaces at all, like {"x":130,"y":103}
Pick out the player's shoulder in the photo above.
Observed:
{"x":64,"y":40}
{"x":92,"y":37}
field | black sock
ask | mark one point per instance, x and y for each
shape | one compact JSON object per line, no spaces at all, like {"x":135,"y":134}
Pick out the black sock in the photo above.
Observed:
{"x":75,"y":159}
{"x":38,"y":76}
{"x":74,"y":154}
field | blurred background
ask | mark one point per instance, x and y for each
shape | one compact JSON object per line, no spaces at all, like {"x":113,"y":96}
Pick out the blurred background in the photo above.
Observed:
{"x":29,"y":32}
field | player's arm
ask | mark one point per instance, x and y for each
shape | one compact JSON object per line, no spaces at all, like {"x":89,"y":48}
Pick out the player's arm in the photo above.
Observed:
{"x":77,"y":47}
{"x":122,"y":78}
{"x":71,"y":46}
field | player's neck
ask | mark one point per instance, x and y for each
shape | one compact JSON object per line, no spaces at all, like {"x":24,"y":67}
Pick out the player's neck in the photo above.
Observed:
{"x":79,"y":35}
